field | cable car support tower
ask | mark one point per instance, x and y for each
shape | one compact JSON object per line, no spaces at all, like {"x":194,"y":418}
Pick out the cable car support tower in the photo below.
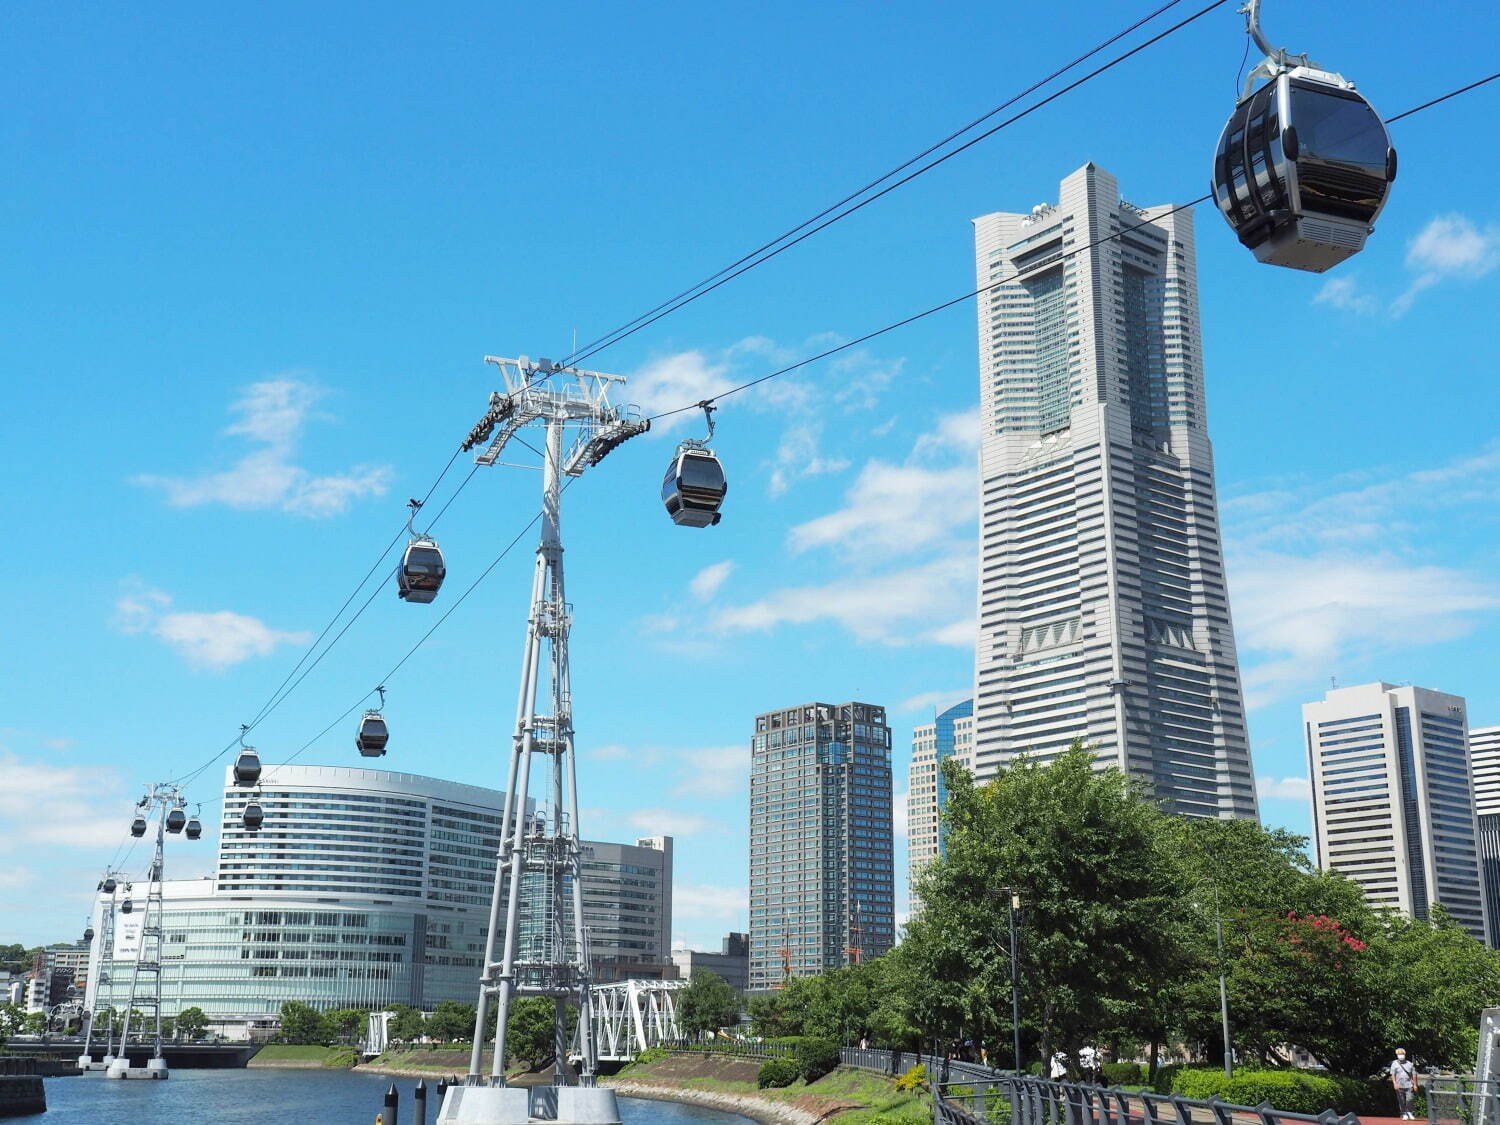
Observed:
{"x":99,"y":982}
{"x":166,"y":800}
{"x":540,"y":854}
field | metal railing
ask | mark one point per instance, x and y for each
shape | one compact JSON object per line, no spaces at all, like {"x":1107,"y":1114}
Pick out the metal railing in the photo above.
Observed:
{"x":1458,"y":1099}
{"x":1035,"y":1101}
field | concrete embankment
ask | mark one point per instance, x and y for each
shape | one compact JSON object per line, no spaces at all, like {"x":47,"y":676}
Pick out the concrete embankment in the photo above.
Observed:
{"x":746,"y":1105}
{"x":21,"y":1090}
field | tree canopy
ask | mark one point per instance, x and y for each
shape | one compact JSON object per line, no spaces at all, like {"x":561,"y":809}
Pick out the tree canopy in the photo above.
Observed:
{"x":707,"y":1004}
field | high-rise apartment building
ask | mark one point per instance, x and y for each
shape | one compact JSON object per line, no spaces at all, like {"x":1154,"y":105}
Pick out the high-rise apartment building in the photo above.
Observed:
{"x":1393,"y":798}
{"x":821,"y":871}
{"x":1484,"y":755}
{"x":1103,"y":613}
{"x":949,"y":735}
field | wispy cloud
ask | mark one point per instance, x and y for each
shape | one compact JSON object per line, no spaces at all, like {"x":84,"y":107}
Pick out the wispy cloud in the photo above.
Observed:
{"x":43,"y":805}
{"x":670,"y":822}
{"x":1450,"y":246}
{"x":215,"y":640}
{"x":272,"y":416}
{"x":1283,"y":788}
{"x":933,"y":700}
{"x":1325,"y":576}
{"x":1345,"y":293}
{"x":708,"y":902}
{"x":705,"y":584}
{"x":895,"y":607}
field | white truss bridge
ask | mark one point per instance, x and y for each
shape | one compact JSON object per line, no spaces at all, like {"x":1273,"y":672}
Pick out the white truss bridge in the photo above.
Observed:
{"x":632,"y":1015}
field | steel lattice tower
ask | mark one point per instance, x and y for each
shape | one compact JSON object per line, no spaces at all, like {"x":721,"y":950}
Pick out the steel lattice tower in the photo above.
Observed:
{"x":163,"y":798}
{"x":540,"y":855}
{"x":99,"y":977}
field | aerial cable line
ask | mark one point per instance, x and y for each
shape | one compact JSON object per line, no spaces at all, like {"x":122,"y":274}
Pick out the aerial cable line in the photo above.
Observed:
{"x":759,"y":256}
{"x":945,"y":305}
{"x":277,"y":696}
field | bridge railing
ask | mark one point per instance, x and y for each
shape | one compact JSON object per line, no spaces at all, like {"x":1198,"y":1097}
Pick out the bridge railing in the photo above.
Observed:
{"x":1034,"y":1101}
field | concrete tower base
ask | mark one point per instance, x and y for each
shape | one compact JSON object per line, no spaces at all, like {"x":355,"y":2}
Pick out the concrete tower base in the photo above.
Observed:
{"x":519,"y":1105}
{"x":121,"y":1068}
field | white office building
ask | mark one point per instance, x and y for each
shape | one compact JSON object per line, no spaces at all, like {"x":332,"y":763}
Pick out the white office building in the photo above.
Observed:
{"x":363,"y":888}
{"x":1484,"y":755}
{"x":1103,"y":613}
{"x":1393,"y":798}
{"x":949,"y":735}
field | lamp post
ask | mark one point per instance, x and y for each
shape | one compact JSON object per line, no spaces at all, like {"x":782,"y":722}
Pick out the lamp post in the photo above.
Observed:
{"x":1223,"y":987}
{"x":1015,"y":983}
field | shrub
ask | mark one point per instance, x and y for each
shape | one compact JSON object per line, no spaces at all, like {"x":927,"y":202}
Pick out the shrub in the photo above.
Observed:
{"x":913,"y":1079}
{"x":341,"y":1058}
{"x":1199,"y":1083}
{"x":816,"y":1057}
{"x":776,"y":1073}
{"x":1291,"y":1091}
{"x":1034,"y":1069}
{"x":1161,"y":1081}
{"x":652,"y":1055}
{"x":1122,"y":1074}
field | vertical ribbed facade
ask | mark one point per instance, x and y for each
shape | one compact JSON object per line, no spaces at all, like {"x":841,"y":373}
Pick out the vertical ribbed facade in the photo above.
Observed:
{"x":1103,"y":613}
{"x":949,"y":735}
{"x":821,"y":865}
{"x":1394,"y":799}
{"x":1484,"y":756}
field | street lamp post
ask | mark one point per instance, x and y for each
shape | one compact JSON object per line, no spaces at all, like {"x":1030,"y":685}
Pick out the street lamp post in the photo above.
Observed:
{"x":1015,"y":983}
{"x":1223,"y":987}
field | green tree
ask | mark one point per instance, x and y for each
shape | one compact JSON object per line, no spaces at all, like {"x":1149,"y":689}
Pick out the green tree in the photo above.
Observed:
{"x":408,"y":1025}
{"x":530,"y":1032}
{"x":346,"y":1024}
{"x":707,"y":1004}
{"x":192,"y":1022}
{"x":12,"y":1017}
{"x":451,"y":1021}
{"x":302,"y":1023}
{"x":34,"y":1023}
{"x":1102,"y":894}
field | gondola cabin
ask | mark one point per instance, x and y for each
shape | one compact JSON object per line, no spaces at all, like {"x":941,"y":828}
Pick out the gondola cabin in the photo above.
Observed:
{"x":247,"y":767}
{"x":176,"y":820}
{"x":138,"y":826}
{"x":1303,"y":168}
{"x":253,"y":817}
{"x":421,"y":574}
{"x":373,"y":735}
{"x":694,"y":487}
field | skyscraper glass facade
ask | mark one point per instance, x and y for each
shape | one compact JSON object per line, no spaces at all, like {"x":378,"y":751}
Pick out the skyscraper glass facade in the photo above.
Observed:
{"x":821,"y":867}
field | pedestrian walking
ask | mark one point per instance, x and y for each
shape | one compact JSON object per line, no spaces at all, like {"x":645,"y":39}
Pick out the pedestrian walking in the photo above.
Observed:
{"x":1404,"y":1082}
{"x":1059,"y":1069}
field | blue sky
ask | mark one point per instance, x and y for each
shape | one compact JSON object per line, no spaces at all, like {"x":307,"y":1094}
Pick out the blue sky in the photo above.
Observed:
{"x":255,"y":260}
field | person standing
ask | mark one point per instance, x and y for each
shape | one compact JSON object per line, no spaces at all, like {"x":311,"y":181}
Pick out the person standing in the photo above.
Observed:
{"x":1059,"y":1069}
{"x":1404,"y":1082}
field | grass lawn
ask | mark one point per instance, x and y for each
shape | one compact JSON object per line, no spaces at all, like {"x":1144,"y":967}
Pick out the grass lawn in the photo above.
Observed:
{"x":854,"y":1097}
{"x":288,"y":1052}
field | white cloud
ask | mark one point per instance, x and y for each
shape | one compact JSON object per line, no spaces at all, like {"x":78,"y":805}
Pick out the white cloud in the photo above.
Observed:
{"x":610,"y":753}
{"x":674,"y":381}
{"x":712,"y":772}
{"x":1344,"y":293}
{"x":954,"y":435}
{"x":708,"y":901}
{"x":48,"y":806}
{"x":1449,"y":246}
{"x":1283,"y":788}
{"x":214,"y":640}
{"x":670,"y":822}
{"x":895,"y":509}
{"x":898,"y":815}
{"x":1298,"y":617}
{"x":273,"y":414}
{"x":799,"y":457}
{"x":938,"y":701}
{"x":896,"y":607}
{"x":705,"y":584}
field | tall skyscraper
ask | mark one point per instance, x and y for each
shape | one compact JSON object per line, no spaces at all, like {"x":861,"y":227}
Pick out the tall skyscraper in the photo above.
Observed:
{"x":1103,"y":613}
{"x":1484,"y":754}
{"x":821,"y":871}
{"x":1393,"y":798}
{"x":949,"y":735}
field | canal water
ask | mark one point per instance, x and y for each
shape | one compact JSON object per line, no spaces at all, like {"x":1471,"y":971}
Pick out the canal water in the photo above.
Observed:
{"x":278,"y":1097}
